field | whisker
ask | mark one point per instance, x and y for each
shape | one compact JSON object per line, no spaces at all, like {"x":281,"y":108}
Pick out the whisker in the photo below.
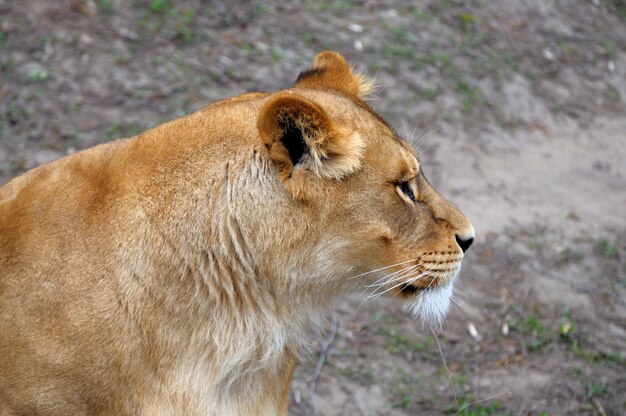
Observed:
{"x":425,"y":273}
{"x":393,"y":276}
{"x":460,"y":292}
{"x":405,"y":274}
{"x":387,"y":276}
{"x":415,"y":130}
{"x":410,"y":137}
{"x":374,"y":294}
{"x":454,"y":302}
{"x":382,"y":268}
{"x":430,"y":284}
{"x":406,"y":130}
{"x":455,"y":299}
{"x":427,"y":287}
{"x":411,"y":280}
{"x":425,"y":136}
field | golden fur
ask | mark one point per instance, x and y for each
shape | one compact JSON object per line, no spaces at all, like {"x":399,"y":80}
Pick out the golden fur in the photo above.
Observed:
{"x":176,"y":272}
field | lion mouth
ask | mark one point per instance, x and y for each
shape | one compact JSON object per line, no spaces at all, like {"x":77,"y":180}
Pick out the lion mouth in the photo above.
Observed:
{"x":409,"y":289}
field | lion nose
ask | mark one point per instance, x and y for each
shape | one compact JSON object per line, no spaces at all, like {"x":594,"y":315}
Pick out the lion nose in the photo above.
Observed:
{"x":464,"y":243}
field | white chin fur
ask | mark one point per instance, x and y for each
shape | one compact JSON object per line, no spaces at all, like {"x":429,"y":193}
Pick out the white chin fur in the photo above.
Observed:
{"x":431,"y":306}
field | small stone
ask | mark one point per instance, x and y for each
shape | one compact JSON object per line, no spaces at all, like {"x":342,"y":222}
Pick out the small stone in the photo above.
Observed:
{"x":128,"y":34}
{"x":473,"y":332}
{"x":549,"y":55}
{"x":389,"y":14}
{"x":356,"y":28}
{"x":225,"y":60}
{"x":85,"y":39}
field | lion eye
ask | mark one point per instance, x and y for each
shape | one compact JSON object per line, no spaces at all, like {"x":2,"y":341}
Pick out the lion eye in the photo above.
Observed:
{"x":405,"y":187}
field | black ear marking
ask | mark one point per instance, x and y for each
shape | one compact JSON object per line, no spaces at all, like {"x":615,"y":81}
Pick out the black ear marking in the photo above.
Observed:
{"x":293,"y":140}
{"x":310,"y":73}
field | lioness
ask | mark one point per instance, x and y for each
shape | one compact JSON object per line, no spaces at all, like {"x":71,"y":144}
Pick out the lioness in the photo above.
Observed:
{"x":176,"y":272}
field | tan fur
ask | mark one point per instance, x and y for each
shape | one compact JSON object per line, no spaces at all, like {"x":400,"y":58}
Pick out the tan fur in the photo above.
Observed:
{"x":177,"y":272}
{"x":331,"y":71}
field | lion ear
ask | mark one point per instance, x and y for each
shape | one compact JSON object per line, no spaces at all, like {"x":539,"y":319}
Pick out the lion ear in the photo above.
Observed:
{"x":330,"y":70}
{"x":304,"y":142}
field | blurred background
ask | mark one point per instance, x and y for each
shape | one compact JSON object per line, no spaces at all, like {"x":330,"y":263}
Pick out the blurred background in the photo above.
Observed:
{"x":518,"y":109}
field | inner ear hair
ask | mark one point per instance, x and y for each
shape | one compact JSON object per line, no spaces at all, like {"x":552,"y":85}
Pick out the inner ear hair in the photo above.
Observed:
{"x":298,"y":132}
{"x":292,"y":127}
{"x":292,"y":139}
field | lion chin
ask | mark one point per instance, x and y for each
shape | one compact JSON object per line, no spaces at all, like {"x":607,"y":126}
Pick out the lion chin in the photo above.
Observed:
{"x":431,"y":306}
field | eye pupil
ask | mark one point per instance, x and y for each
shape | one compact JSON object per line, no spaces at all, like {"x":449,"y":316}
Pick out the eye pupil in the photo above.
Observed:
{"x":406,"y":189}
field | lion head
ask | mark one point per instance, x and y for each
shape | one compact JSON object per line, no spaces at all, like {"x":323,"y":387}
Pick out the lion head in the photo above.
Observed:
{"x":357,"y":210}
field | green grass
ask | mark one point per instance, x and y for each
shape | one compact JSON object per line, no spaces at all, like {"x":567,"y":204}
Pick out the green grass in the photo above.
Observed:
{"x":612,"y":94}
{"x":405,"y":387}
{"x":308,"y":37}
{"x":536,"y":238}
{"x":399,"y":342}
{"x":536,"y":334}
{"x":567,"y":327}
{"x":569,"y":255}
{"x":158,"y":6}
{"x":472,"y":95}
{"x":605,"y":248}
{"x":400,"y":44}
{"x":467,"y":21}
{"x":468,"y":406}
{"x":275,"y":54}
{"x":17,"y":114}
{"x":184,"y":27}
{"x":334,"y":5}
{"x":429,"y":93}
{"x":404,"y":390}
{"x":105,"y":6}
{"x":595,"y":389}
{"x":601,"y":358}
{"x":619,"y":6}
{"x":177,"y":22}
{"x":359,"y":373}
{"x":461,"y":61}
{"x":262,"y":8}
{"x":36,"y":75}
{"x":421,"y":15}
{"x":73,"y":108}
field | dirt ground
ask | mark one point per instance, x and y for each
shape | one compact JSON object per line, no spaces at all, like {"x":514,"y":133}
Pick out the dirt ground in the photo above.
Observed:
{"x":518,"y":109}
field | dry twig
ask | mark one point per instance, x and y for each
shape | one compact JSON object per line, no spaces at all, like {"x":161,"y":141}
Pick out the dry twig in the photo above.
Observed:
{"x":445,"y":365}
{"x":324,"y":345}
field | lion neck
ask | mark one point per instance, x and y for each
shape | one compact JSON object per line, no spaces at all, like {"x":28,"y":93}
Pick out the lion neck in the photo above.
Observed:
{"x":212,"y":293}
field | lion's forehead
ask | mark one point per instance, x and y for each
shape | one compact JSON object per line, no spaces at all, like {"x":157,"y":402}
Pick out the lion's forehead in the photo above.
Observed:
{"x":376,"y":131}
